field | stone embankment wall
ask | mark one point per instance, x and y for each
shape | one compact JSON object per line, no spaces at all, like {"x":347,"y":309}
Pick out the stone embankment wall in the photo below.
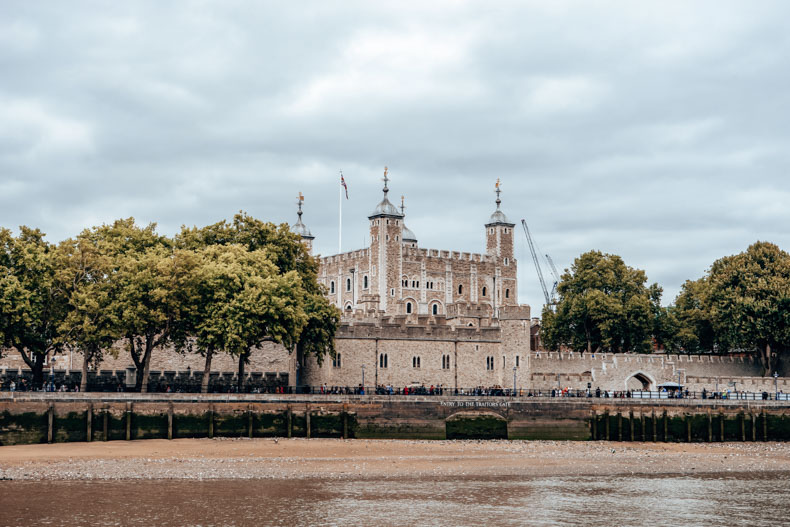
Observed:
{"x":41,"y":418}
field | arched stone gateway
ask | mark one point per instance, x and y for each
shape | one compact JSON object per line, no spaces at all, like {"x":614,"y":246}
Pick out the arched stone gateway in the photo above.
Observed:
{"x":476,"y":425}
{"x":640,"y":381}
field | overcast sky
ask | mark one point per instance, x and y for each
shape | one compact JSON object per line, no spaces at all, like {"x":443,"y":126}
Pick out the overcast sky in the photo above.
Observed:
{"x":658,"y":131}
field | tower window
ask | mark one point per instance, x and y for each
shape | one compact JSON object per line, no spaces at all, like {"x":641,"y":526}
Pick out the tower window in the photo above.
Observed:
{"x":408,"y":307}
{"x":461,"y":289}
{"x":348,"y":284}
{"x":507,"y":293}
{"x":332,"y":286}
{"x":365,"y":282}
{"x":383,"y":360}
{"x":336,"y":361}
{"x":516,"y":361}
{"x":489,"y":363}
{"x":484,"y":291}
{"x":435,"y":309}
{"x":445,"y":362}
{"x":507,"y":261}
{"x":415,"y":362}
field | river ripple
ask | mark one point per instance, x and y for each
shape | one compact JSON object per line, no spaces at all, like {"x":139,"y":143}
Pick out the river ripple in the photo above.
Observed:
{"x":754,"y":499}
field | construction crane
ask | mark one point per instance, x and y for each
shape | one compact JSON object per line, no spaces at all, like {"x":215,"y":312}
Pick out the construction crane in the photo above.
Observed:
{"x":555,"y":274}
{"x":549,"y":298}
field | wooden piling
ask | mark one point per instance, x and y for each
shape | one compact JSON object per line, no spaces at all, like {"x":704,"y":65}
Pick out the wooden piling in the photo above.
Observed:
{"x":307,"y":421}
{"x":631,"y":424}
{"x":742,"y":417}
{"x":765,"y":426}
{"x":105,"y":424}
{"x":249,"y":421}
{"x":606,"y":417}
{"x":666,"y":427}
{"x":170,"y":421}
{"x":345,"y":421}
{"x":688,"y":419}
{"x":211,"y":421}
{"x":89,"y":424}
{"x":653,"y":421}
{"x":289,"y":418}
{"x":710,"y":427}
{"x":754,"y":426}
{"x":721,"y":427}
{"x":50,"y":422}
{"x":129,"y":412}
{"x":642,"y":426}
{"x":619,"y":426}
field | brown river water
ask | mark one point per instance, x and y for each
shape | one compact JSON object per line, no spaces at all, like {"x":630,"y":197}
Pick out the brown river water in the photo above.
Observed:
{"x":755,"y":499}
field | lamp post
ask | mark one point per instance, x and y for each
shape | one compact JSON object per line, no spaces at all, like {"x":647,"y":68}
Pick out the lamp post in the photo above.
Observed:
{"x":363,"y":379}
{"x":514,"y":381}
{"x":776,"y":386}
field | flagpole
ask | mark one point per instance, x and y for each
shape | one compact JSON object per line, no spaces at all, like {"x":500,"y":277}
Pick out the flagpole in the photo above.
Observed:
{"x":340,"y":217}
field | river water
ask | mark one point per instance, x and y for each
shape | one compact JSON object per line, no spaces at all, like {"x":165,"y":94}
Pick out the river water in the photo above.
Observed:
{"x":754,"y":499}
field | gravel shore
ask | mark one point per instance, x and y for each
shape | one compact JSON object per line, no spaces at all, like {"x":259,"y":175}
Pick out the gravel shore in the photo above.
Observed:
{"x":201,"y":459}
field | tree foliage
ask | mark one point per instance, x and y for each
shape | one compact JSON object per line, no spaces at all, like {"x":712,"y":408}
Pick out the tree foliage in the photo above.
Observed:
{"x":749,"y":301}
{"x":227,"y":287}
{"x":31,"y":305}
{"x":604,"y":305}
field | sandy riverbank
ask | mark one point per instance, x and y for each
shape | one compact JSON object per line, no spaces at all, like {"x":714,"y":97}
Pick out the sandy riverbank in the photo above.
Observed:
{"x":335,"y":458}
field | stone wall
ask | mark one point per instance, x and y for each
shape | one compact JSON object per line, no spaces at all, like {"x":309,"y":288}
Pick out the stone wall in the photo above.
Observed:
{"x":41,"y":418}
{"x":629,"y":371}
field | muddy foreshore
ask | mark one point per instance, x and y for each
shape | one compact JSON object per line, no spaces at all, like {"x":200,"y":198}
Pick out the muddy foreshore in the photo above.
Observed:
{"x":201,"y":459}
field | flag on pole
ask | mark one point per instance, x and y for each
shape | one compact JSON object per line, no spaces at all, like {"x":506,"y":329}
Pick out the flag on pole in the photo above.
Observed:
{"x":343,"y":183}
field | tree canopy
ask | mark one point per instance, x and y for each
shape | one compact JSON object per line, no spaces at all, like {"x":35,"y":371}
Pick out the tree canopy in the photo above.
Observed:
{"x":227,"y":287}
{"x":604,"y":305}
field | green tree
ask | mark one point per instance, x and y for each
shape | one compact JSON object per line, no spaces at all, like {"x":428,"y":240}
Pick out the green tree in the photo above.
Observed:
{"x":603,"y":305}
{"x":84,"y":274}
{"x":749,"y":301}
{"x":241,"y":300}
{"x":31,"y":305}
{"x":285,"y":250}
{"x":692,"y":313}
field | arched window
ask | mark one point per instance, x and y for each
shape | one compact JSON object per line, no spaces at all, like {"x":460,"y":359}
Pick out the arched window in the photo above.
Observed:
{"x":408,"y":307}
{"x":348,"y":284}
{"x":415,"y":362}
{"x":435,"y":309}
{"x":507,"y":293}
{"x":336,"y":361}
{"x":484,"y":291}
{"x":383,"y":360}
{"x":461,"y":289}
{"x":365,"y":282}
{"x":332,"y":287}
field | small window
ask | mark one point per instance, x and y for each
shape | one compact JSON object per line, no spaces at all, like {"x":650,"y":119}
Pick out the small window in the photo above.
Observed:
{"x":365,"y":282}
{"x":332,"y":286}
{"x":348,"y":284}
{"x":383,"y":362}
{"x":336,"y":361}
{"x":507,"y":261}
{"x":503,"y":362}
{"x":435,"y":309}
{"x":415,"y":362}
{"x":507,"y":293}
{"x":392,"y":292}
{"x":396,"y":239}
{"x":484,"y":291}
{"x":408,"y":307}
{"x":516,"y":361}
{"x":461,"y":289}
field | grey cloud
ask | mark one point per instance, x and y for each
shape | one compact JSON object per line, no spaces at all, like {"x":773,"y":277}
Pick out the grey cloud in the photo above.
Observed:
{"x":655,"y":130}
